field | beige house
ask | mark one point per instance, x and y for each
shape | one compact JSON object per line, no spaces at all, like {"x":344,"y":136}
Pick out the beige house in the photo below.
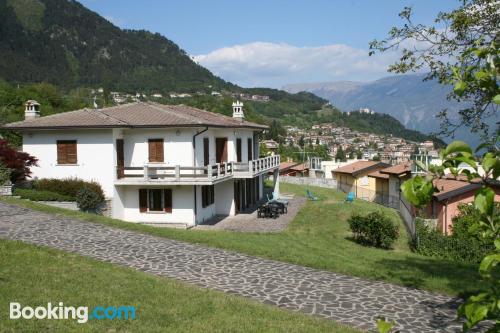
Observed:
{"x":354,"y":178}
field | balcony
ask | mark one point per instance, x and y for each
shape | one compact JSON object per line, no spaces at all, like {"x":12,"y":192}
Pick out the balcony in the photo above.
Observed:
{"x":189,"y":175}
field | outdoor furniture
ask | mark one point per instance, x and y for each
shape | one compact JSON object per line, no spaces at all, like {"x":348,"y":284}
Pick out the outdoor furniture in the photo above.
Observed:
{"x":311,"y":196}
{"x":270,"y":210}
{"x":350,"y":197}
{"x":282,"y":201}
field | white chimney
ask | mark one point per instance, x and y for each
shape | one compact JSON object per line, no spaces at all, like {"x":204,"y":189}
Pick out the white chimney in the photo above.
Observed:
{"x":32,"y":110}
{"x":238,"y":111}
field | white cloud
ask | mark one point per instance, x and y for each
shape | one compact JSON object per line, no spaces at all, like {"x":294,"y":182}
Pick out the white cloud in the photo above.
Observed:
{"x":274,"y":65}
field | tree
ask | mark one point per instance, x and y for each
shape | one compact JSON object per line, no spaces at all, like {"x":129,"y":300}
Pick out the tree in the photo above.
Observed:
{"x":340,"y":155}
{"x":486,"y":226}
{"x":359,"y":154}
{"x":462,"y":50}
{"x":276,"y":132}
{"x":302,"y":141}
{"x":317,"y":141}
{"x":18,"y":162}
{"x":376,"y":158}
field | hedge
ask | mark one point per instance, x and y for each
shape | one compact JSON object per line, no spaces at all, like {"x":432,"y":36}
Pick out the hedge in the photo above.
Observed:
{"x":36,"y":195}
{"x":68,"y":186}
{"x":431,"y":242}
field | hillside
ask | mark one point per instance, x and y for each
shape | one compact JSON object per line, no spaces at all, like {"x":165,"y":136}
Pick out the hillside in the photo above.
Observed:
{"x":74,"y":46}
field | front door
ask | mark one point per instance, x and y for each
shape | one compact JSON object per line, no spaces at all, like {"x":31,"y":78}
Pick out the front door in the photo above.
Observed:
{"x":120,"y":158}
{"x":221,"y":150}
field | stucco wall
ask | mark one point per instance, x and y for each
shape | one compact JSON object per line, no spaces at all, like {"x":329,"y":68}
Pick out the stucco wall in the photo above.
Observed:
{"x":182,"y":206}
{"x":95,"y":155}
{"x":224,"y":198}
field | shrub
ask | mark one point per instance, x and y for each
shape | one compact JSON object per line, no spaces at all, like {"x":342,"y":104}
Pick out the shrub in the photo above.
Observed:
{"x":463,"y":245}
{"x":4,"y":174}
{"x":35,"y":195}
{"x":88,"y":200}
{"x":68,"y":186}
{"x":374,"y":229}
{"x":18,"y":161}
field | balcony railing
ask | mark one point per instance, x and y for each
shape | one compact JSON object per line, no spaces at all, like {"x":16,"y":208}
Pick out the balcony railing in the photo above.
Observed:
{"x":256,"y":167}
{"x":200,"y":174}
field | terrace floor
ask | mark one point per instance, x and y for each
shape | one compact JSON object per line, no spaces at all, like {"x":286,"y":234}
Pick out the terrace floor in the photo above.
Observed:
{"x":248,"y":221}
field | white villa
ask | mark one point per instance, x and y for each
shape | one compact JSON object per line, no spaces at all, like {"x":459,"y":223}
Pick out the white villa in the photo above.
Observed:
{"x":156,"y":163}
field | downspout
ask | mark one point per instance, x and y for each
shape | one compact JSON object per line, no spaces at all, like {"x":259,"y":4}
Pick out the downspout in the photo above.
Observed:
{"x":194,"y":163}
{"x":446,"y":217}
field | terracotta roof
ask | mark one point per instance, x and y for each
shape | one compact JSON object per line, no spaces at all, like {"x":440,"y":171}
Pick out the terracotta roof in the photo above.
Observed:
{"x":359,"y":167}
{"x":378,"y":174}
{"x":398,"y":169}
{"x":284,"y":166}
{"x":449,"y":188}
{"x":140,"y":114}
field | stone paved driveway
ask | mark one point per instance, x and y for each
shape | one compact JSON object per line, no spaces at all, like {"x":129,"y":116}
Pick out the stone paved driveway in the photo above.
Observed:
{"x":346,"y":299}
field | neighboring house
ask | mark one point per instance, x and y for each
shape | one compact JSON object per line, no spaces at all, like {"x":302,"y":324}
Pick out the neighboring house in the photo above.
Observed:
{"x":293,"y":169}
{"x":354,"y":178}
{"x":397,"y":174}
{"x":381,"y":187}
{"x":156,"y":163}
{"x":270,"y":145}
{"x":452,"y":193}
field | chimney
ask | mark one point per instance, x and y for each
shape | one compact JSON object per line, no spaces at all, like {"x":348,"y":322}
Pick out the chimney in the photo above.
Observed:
{"x":32,"y":110}
{"x":238,"y":111}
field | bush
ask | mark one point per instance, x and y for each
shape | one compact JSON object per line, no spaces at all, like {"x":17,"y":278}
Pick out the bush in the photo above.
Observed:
{"x":88,"y":200}
{"x":68,"y":186}
{"x":463,"y":245}
{"x":374,"y":229}
{"x":35,"y":195}
{"x":4,"y":174}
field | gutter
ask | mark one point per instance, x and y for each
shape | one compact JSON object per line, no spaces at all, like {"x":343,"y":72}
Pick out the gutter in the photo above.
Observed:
{"x":194,"y":162}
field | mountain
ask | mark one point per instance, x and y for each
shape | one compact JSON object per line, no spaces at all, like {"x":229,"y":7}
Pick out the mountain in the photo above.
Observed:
{"x":64,"y":43}
{"x":408,"y":98}
{"x":55,"y":50}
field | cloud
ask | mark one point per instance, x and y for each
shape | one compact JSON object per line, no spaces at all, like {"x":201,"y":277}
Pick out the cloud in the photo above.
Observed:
{"x":274,"y":65}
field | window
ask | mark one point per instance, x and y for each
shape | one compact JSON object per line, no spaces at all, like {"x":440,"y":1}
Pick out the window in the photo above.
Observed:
{"x":238,"y":150}
{"x":207,"y":195}
{"x":155,"y":200}
{"x":364,"y":181}
{"x":155,"y":150}
{"x":66,"y":152}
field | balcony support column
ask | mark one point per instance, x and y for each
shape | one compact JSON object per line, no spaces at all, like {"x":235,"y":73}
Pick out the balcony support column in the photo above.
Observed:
{"x":276,"y":181}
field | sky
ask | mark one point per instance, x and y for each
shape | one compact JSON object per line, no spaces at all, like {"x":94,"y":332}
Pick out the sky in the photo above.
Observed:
{"x":275,"y":42}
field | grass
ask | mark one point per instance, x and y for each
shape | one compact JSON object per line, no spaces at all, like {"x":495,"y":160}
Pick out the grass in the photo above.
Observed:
{"x":162,"y":305}
{"x":319,"y":237}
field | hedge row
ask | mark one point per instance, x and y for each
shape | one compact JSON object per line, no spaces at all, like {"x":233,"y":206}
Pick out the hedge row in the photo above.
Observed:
{"x":36,"y":195}
{"x":68,"y":186}
{"x":431,"y":242}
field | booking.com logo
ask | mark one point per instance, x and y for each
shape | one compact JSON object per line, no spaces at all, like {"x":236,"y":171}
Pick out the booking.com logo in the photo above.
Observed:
{"x":80,"y":313}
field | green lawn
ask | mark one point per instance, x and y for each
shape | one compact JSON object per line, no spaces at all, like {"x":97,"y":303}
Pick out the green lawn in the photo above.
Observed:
{"x":34,"y":276}
{"x":319,"y":238}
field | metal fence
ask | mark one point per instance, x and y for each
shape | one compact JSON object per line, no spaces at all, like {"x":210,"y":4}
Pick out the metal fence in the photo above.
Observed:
{"x":320,"y":182}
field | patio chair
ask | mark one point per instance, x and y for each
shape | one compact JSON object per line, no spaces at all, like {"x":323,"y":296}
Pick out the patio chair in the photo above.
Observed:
{"x":262,"y":211}
{"x":311,"y":196}
{"x":282,"y":201}
{"x":350,"y":197}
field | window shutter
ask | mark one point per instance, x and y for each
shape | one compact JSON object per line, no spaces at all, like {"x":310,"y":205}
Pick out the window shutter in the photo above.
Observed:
{"x":155,"y":150}
{"x":61,"y":153}
{"x":152,"y":151}
{"x":250,"y":149}
{"x":159,"y":150}
{"x":167,"y":193}
{"x":71,"y":153}
{"x":143,"y":200}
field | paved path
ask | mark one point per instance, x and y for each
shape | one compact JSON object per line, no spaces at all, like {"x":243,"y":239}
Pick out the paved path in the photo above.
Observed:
{"x":348,"y":300}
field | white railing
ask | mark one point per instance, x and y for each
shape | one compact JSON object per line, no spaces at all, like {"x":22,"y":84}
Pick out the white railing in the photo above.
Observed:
{"x":256,"y":167}
{"x":176,"y":173}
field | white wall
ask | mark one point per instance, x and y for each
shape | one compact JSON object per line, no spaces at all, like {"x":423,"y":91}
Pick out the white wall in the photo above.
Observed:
{"x":95,"y":155}
{"x":203,"y":214}
{"x":231,"y":135}
{"x":224,"y":198}
{"x":182,"y":206}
